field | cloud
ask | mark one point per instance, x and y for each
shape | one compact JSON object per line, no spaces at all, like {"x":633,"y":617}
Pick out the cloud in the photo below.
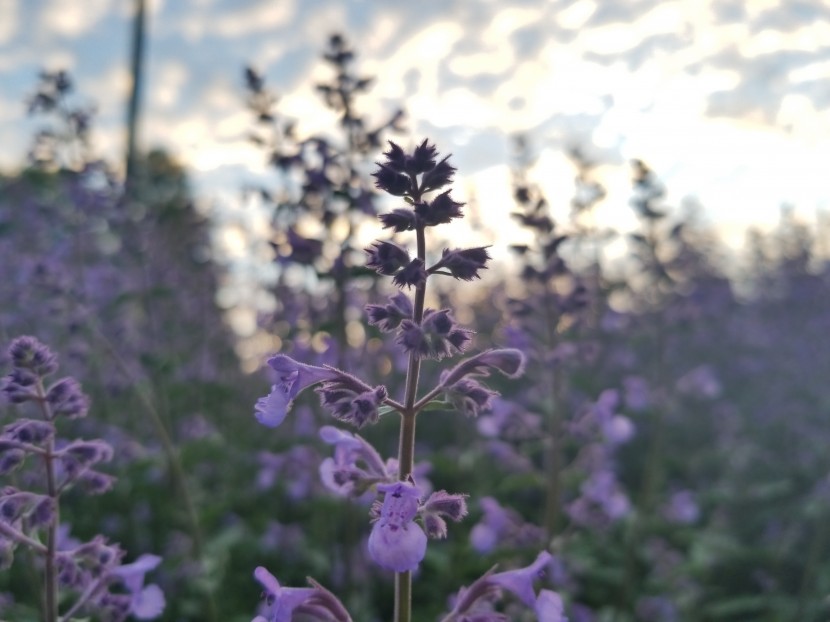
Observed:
{"x":69,"y":18}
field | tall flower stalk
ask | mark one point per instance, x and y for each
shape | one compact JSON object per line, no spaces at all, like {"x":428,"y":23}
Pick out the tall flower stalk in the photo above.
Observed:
{"x":403,"y":520}
{"x":29,"y":516}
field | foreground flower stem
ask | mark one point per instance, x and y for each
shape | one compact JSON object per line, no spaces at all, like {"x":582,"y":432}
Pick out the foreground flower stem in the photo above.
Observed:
{"x":406,"y":446}
{"x":50,"y":570}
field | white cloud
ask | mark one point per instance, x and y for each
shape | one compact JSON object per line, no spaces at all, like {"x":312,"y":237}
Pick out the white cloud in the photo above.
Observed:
{"x":71,"y":18}
{"x":9,"y":20}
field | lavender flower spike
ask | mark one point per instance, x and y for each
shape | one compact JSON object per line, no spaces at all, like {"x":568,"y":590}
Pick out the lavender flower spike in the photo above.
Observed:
{"x":292,"y":377}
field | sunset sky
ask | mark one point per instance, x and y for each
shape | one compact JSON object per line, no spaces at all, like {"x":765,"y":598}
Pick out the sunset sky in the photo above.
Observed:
{"x":727,"y":100}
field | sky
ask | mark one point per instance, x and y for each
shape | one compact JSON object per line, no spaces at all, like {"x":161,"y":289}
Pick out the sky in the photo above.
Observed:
{"x":727,"y":100}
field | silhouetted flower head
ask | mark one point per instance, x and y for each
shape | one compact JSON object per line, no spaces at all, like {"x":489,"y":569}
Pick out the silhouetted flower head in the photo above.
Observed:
{"x":437,"y":337}
{"x":441,"y":210}
{"x":386,"y":258}
{"x":399,"y":173}
{"x":389,"y":316}
{"x":464,"y":263}
{"x":413,"y":274}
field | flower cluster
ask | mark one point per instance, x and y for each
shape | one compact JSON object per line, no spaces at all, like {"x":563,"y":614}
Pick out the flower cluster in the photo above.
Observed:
{"x":93,"y":571}
{"x":406,"y":517}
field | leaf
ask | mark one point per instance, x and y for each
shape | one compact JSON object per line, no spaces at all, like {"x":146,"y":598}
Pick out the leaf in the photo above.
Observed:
{"x":437,"y":405}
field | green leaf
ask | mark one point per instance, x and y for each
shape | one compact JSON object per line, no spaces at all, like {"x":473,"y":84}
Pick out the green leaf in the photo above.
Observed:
{"x":437,"y":405}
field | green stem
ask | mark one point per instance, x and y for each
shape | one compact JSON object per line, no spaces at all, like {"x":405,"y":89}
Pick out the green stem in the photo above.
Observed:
{"x":406,"y":445}
{"x":553,"y":450}
{"x":50,"y":572}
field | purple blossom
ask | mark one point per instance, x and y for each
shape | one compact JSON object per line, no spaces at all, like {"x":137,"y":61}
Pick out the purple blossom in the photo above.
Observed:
{"x":355,"y":466}
{"x":399,"y":220}
{"x":437,"y":337}
{"x":281,"y":602}
{"x":439,"y":506}
{"x":682,"y":508}
{"x":520,"y":581}
{"x":349,"y":400}
{"x":700,"y":382}
{"x":546,"y":604}
{"x":441,"y":210}
{"x":389,"y":180}
{"x":411,"y":275}
{"x":464,"y":263}
{"x":146,"y":601}
{"x":386,"y":258}
{"x":501,"y":527}
{"x":27,"y":352}
{"x":292,"y":377}
{"x":508,"y":361}
{"x":396,"y":542}
{"x":602,"y":501}
{"x":389,"y":316}
{"x":470,"y":397}
{"x":438,"y":176}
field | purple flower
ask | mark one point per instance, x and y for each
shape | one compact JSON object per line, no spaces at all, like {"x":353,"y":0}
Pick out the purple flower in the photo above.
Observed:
{"x":388,"y":180}
{"x":547,"y":605}
{"x":389,"y":316}
{"x":292,"y":377}
{"x":398,"y":220}
{"x":437,"y":337}
{"x":386,"y":258}
{"x":508,"y":361}
{"x":701,"y":382}
{"x":412,"y":274}
{"x":602,"y":501}
{"x":396,"y":542}
{"x":28,"y":353}
{"x":147,"y":602}
{"x":438,"y":176}
{"x":520,"y":581}
{"x":282,"y":602}
{"x":464,"y":263}
{"x":501,"y":527}
{"x":470,"y":397}
{"x":682,"y":508}
{"x":351,"y":401}
{"x":341,"y":473}
{"x":441,"y":505}
{"x":442,"y":209}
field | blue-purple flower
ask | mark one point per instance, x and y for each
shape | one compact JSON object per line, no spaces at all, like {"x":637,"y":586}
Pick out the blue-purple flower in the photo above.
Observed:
{"x":462,"y":263}
{"x":146,"y":601}
{"x":280,"y":602}
{"x":546,"y":604}
{"x":396,"y":542}
{"x":389,"y":316}
{"x":438,"y":336}
{"x":292,"y":377}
